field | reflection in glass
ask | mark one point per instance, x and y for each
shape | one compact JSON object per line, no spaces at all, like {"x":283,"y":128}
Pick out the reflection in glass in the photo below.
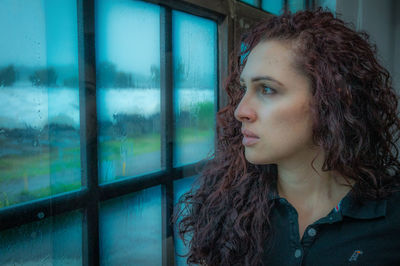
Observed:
{"x":39,"y":100}
{"x":53,"y":241}
{"x":128,"y":88}
{"x":181,"y":186}
{"x":275,"y":7}
{"x":296,"y":5}
{"x":131,"y":229}
{"x":195,"y":81}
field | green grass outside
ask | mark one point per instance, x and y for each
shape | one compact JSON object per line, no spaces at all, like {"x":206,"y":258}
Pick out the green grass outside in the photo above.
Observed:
{"x":25,"y":166}
{"x":111,"y":150}
{"x":8,"y":200}
{"x":20,"y":166}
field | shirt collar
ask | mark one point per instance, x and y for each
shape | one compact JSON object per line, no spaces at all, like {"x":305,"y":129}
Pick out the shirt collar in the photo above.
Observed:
{"x":368,"y":209}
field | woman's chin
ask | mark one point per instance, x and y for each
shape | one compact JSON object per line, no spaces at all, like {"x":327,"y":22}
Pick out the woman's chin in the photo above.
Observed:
{"x":253,"y":159}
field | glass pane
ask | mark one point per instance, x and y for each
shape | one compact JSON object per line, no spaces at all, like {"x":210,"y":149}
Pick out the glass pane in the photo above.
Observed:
{"x":39,"y":100}
{"x":53,"y":241}
{"x":330,"y":4}
{"x":128,"y":88}
{"x":195,"y":81}
{"x":131,"y":229}
{"x":250,"y":2}
{"x":242,"y":49}
{"x":296,"y":5}
{"x":273,"y":6}
{"x":181,"y":186}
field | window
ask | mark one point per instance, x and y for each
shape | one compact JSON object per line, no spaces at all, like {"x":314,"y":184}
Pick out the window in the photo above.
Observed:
{"x":251,"y":2}
{"x":40,"y":122}
{"x":327,"y":4}
{"x":195,"y":80}
{"x":277,"y":7}
{"x":102,"y":105}
{"x":128,"y":88}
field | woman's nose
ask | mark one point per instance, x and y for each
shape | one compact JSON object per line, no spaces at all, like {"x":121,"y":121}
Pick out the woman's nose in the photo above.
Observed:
{"x":244,"y":111}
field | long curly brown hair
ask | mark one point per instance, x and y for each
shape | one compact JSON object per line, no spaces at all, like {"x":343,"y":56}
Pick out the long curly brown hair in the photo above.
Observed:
{"x":226,"y":212}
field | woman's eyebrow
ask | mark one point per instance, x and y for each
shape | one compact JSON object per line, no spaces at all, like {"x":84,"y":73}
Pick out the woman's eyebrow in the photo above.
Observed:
{"x":258,"y":78}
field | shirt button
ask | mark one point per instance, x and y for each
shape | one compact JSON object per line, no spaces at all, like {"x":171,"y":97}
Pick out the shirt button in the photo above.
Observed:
{"x":297,"y":253}
{"x":312,"y":232}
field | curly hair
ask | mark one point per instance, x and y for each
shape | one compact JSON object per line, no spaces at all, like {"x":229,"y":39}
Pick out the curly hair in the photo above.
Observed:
{"x":356,"y":123}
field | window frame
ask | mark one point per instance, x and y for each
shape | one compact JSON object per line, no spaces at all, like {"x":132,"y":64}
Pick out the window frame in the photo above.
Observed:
{"x":227,"y":14}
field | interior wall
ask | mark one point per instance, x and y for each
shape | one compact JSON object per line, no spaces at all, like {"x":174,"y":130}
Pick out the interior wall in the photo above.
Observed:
{"x":396,"y":48}
{"x":377,"y":18}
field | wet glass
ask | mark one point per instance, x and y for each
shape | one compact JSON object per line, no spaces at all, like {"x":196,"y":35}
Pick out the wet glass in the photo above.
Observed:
{"x":275,"y":7}
{"x":52,"y":241}
{"x":39,"y":100}
{"x":296,"y":5}
{"x":131,"y":229}
{"x":194,"y":88}
{"x":181,"y":186}
{"x":128,"y":88}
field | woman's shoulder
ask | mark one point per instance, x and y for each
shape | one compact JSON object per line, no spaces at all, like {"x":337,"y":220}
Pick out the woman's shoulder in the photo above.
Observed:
{"x":393,"y":207}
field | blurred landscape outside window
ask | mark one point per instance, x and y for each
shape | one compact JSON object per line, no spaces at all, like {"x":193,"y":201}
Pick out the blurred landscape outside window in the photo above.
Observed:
{"x":39,"y":100}
{"x":128,"y":88}
{"x":195,"y":82}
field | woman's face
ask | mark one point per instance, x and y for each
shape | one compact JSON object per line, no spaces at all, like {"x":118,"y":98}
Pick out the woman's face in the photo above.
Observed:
{"x":275,"y":106}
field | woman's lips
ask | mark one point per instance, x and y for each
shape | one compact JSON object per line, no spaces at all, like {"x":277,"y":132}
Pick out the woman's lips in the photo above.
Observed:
{"x":247,"y":141}
{"x":249,"y":138}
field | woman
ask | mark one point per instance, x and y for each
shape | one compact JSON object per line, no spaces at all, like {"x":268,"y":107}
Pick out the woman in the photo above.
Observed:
{"x":306,"y":169}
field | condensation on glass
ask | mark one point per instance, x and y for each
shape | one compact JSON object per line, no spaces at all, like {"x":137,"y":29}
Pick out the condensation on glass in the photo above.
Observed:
{"x":296,"y":5}
{"x":131,"y":229}
{"x":39,"y":100}
{"x":194,"y":90}
{"x":275,"y":7}
{"x":181,"y":186}
{"x":128,"y":88}
{"x":53,"y":241}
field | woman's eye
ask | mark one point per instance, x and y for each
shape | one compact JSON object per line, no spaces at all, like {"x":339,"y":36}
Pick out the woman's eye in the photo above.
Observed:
{"x":267,"y":90}
{"x":243,"y":88}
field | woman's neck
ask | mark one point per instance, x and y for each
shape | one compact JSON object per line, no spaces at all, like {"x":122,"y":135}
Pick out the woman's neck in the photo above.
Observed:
{"x":312,"y":191}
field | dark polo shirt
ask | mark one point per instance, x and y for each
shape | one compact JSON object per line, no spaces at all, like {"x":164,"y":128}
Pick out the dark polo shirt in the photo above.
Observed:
{"x":351,"y":234}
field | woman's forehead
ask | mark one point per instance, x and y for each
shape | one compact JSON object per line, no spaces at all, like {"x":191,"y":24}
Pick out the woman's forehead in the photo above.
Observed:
{"x":267,"y":58}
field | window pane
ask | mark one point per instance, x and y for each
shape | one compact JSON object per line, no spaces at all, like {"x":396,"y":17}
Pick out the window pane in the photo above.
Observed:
{"x":296,"y":5}
{"x":181,"y":186}
{"x":128,"y":88}
{"x":250,"y":2}
{"x":273,"y":6}
{"x":330,"y":4}
{"x":39,"y":100}
{"x":131,"y":228}
{"x":53,"y":241}
{"x":195,"y":80}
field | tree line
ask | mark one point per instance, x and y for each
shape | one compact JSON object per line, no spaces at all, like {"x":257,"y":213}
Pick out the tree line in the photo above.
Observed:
{"x":108,"y":76}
